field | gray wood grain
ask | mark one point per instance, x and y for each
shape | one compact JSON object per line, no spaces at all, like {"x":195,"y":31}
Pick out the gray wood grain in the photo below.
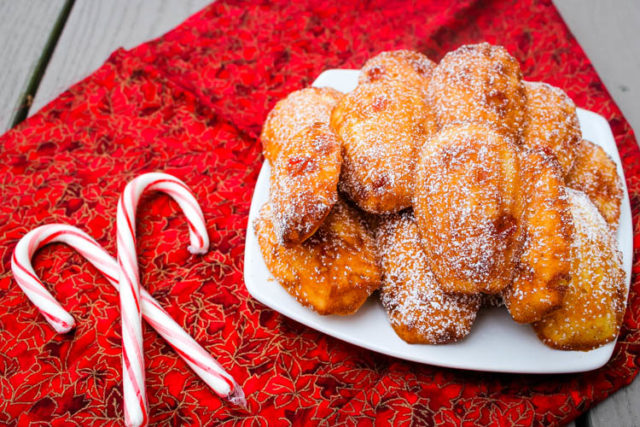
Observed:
{"x":97,"y":28}
{"x":25,"y":28}
{"x":622,"y":409}
{"x":609,"y":33}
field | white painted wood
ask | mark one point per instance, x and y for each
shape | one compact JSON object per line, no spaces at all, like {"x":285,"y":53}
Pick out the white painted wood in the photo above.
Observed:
{"x":25,"y":28}
{"x":609,"y":33}
{"x":97,"y":28}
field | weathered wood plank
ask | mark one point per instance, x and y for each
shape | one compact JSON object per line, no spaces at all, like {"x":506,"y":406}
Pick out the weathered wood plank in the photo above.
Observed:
{"x":621,"y":409}
{"x":95,"y":29}
{"x":609,"y":33}
{"x":25,"y":30}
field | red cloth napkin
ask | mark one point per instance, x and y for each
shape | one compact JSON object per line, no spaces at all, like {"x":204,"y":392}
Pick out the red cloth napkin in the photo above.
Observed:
{"x":191,"y":104}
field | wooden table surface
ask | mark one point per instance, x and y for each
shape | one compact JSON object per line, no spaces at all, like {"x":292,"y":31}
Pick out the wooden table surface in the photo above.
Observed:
{"x":50,"y":44}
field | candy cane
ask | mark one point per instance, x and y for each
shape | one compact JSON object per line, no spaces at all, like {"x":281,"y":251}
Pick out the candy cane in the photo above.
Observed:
{"x":135,"y":401}
{"x":205,"y":366}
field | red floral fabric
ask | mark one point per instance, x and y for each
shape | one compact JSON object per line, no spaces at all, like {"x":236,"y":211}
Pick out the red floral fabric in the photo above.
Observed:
{"x":191,"y":104}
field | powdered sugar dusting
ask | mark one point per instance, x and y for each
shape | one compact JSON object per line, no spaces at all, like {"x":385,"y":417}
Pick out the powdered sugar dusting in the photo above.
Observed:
{"x":595,"y":174}
{"x":467,"y":206}
{"x":418,"y":309}
{"x":594,"y":305}
{"x":291,"y":115}
{"x":332,"y":272}
{"x":483,"y":159}
{"x":479,"y":84}
{"x":551,"y":122}
{"x":411,"y":68}
{"x":304,"y":182}
{"x":381,"y":125}
{"x":542,"y":274}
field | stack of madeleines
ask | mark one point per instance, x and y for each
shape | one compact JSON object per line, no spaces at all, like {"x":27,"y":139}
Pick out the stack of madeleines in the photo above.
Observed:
{"x":447,"y":187}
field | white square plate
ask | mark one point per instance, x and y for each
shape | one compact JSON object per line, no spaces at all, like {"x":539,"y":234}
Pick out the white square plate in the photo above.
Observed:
{"x":496,"y":343}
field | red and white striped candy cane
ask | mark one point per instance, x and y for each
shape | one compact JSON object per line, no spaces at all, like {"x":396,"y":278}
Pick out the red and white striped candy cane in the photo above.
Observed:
{"x":202,"y":363}
{"x":132,"y":360}
{"x":33,"y":287}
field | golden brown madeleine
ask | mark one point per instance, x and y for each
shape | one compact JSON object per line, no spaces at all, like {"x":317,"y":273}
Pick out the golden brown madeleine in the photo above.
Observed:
{"x":332,"y":272}
{"x":467,"y":203}
{"x":595,"y":174}
{"x":380,"y":126}
{"x":593,"y":307}
{"x":419,"y":311}
{"x":542,"y":275}
{"x":479,"y":83}
{"x":551,"y":121}
{"x":304,"y":183}
{"x":411,"y":68}
{"x":290,"y":115}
